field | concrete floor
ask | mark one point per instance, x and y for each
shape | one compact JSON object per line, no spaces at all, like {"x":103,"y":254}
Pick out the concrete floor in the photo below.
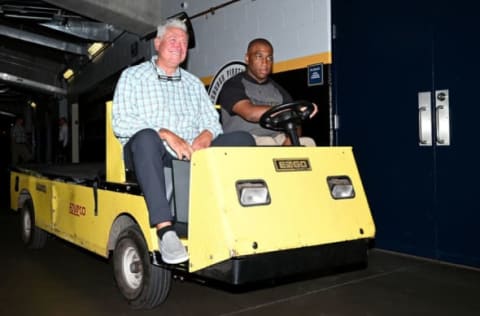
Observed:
{"x":65,"y":280}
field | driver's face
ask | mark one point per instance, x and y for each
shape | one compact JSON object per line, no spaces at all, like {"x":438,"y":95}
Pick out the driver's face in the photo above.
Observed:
{"x":259,"y":60}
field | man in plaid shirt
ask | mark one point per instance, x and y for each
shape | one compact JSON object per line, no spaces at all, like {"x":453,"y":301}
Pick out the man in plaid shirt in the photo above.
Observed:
{"x":162,"y":112}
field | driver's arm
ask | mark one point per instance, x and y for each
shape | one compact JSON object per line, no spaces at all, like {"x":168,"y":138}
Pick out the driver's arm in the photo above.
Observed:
{"x":249,"y":111}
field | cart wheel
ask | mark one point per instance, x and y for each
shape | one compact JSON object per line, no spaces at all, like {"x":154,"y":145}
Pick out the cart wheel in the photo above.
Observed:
{"x":32,"y":236}
{"x":143,"y":284}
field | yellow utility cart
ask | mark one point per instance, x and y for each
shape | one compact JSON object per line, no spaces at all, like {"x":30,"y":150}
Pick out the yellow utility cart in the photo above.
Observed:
{"x":245,"y":214}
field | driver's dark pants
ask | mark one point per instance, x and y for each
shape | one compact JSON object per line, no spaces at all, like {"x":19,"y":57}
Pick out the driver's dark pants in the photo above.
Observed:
{"x":146,"y":155}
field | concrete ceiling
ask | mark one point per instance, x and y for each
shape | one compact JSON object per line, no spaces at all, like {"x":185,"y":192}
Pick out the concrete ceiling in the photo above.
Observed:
{"x":39,"y":40}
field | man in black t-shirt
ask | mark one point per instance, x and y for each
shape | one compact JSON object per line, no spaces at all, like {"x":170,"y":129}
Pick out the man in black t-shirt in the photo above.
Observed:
{"x":249,"y":94}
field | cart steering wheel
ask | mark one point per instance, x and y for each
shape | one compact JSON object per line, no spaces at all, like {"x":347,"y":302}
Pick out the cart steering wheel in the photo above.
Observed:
{"x":287,"y":117}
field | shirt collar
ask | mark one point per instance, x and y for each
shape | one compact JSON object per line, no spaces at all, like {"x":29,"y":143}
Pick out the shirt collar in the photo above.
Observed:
{"x":247,"y":76}
{"x":159,"y":70}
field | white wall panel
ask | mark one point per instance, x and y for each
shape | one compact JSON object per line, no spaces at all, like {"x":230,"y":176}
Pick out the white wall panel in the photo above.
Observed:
{"x":296,"y":28}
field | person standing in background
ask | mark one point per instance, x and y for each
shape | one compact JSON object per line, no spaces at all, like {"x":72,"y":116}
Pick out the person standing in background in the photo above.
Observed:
{"x":19,"y":147}
{"x":62,"y":155}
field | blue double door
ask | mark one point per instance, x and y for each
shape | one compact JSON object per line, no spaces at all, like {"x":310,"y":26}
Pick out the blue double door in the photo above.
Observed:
{"x":407,"y":94}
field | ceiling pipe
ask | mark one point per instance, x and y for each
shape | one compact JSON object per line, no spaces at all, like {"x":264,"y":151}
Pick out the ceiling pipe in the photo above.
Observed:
{"x":43,"y":40}
{"x":94,"y":31}
{"x":32,"y":84}
{"x":7,"y":114}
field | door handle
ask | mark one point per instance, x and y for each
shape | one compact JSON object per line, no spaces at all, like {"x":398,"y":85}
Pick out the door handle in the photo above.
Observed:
{"x":424,"y":119}
{"x":442,"y":118}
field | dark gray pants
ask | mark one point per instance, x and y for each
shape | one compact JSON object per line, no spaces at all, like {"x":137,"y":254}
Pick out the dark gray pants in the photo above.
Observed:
{"x":146,"y":155}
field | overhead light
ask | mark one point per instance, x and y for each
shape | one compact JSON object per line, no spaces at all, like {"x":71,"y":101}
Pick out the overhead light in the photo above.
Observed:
{"x":67,"y":74}
{"x":33,"y":104}
{"x":95,"y":48}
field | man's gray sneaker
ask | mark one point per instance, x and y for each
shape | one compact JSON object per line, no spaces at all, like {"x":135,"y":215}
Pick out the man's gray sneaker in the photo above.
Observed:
{"x":172,"y":249}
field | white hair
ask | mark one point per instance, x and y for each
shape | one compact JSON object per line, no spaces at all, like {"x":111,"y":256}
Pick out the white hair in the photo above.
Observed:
{"x":171,"y":23}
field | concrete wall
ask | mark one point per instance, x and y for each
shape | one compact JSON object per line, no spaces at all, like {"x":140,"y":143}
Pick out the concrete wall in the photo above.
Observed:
{"x":298,"y":29}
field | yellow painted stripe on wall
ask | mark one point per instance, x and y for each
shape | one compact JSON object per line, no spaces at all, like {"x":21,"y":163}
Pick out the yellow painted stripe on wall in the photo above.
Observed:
{"x":206,"y":80}
{"x":292,"y":64}
{"x":302,"y":62}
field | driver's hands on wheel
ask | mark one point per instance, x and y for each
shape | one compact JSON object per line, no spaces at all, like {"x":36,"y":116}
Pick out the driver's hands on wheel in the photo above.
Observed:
{"x":285,"y":116}
{"x":315,"y":110}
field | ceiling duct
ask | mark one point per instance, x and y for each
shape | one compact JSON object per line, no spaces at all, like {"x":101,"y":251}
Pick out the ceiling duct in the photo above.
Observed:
{"x":138,"y":17}
{"x":7,"y":114}
{"x":32,"y":84}
{"x":94,"y":31}
{"x":43,"y":40}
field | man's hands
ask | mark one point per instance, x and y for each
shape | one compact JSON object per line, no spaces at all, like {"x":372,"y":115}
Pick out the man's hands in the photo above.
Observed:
{"x":203,"y":140}
{"x":178,"y":144}
{"x":252,"y":112}
{"x":182,"y":148}
{"x":315,"y":110}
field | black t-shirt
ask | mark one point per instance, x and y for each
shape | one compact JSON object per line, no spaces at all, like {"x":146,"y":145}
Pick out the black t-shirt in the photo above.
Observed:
{"x":243,"y":87}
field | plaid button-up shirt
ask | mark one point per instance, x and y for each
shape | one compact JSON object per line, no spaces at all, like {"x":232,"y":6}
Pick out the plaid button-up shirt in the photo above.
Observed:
{"x":142,"y":99}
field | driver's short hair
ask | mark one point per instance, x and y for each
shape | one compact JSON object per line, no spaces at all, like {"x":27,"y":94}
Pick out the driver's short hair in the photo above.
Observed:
{"x":259,"y":40}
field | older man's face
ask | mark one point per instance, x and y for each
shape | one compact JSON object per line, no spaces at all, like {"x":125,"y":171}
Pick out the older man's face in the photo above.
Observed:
{"x":172,"y":47}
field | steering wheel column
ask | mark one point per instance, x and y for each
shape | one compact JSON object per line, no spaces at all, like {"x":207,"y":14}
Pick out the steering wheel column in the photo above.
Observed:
{"x":291,"y":131}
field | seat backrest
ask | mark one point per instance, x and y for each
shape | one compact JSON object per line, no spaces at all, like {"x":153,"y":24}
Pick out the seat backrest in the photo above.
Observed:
{"x":114,"y":155}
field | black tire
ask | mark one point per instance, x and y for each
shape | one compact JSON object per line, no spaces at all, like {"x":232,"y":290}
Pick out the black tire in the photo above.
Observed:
{"x":32,"y":236}
{"x":143,"y":284}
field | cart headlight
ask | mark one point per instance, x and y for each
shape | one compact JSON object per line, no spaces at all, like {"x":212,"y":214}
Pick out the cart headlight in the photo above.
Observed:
{"x":253,"y":192}
{"x":341,"y":187}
